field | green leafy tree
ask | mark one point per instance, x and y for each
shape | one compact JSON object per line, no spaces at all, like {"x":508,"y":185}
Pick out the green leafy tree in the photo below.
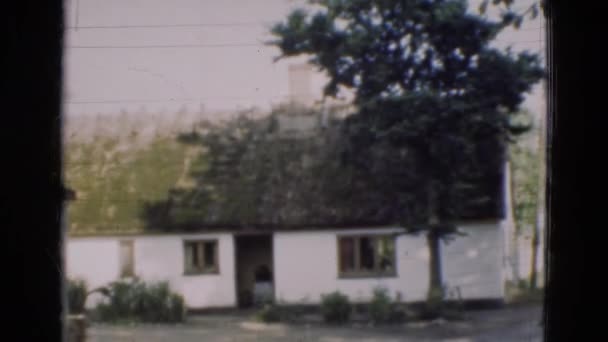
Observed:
{"x":527,"y":169}
{"x":433,"y":104}
{"x":524,"y":165}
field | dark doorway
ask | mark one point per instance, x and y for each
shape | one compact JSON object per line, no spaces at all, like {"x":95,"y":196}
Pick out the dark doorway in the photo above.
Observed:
{"x":254,"y":269}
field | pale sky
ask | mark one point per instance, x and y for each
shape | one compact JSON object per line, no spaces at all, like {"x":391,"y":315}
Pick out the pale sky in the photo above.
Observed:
{"x":162,"y":55}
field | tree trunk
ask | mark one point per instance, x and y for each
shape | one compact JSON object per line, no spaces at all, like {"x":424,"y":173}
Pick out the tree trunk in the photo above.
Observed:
{"x":435,"y":294}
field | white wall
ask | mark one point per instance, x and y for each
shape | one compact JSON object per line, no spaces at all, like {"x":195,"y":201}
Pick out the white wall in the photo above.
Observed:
{"x":157,"y":258}
{"x":306,"y":265}
{"x":474,"y":262}
{"x":92,"y":259}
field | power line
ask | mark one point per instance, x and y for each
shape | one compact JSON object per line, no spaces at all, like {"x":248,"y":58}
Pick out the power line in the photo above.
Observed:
{"x":179,"y":46}
{"x":166,"y":46}
{"x":124,"y":27}
{"x":173,"y":100}
{"x":94,"y":27}
{"x":131,"y":101}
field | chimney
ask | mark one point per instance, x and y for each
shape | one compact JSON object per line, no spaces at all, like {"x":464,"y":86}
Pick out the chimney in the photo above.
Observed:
{"x":300,"y":76}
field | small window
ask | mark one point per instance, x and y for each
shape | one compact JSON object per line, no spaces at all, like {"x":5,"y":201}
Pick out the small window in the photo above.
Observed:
{"x":200,"y":257}
{"x":366,"y":256}
{"x":126,"y":259}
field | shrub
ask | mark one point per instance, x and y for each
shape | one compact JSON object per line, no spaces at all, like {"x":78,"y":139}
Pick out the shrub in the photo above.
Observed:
{"x":77,"y":290}
{"x":177,"y":308}
{"x":381,"y":306}
{"x":269,"y":313}
{"x":336,"y":308}
{"x":383,"y":309}
{"x":141,"y":302}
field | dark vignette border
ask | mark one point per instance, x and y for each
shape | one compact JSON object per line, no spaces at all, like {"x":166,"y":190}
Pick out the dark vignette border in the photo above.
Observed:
{"x":32,"y":195}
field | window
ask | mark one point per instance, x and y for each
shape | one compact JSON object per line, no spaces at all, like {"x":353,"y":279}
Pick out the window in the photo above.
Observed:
{"x":366,"y":256}
{"x":200,"y":257}
{"x":126,"y":259}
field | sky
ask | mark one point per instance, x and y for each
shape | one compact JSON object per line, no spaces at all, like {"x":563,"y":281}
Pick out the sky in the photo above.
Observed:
{"x":162,"y":56}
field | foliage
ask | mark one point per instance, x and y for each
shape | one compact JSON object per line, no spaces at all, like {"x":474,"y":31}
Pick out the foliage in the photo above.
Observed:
{"x":336,"y":308}
{"x":249,"y":174}
{"x":525,"y":172}
{"x":433,"y":99}
{"x":77,"y":291}
{"x":254,"y":175}
{"x":141,"y":302}
{"x":383,"y":309}
{"x":269,"y":313}
{"x":527,"y":187}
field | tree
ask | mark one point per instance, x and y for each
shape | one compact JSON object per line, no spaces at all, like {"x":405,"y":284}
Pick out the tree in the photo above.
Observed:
{"x":432,"y":99}
{"x":525,"y":187}
{"x":528,"y":180}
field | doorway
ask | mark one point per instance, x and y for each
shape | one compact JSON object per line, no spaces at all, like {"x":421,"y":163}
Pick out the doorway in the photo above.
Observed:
{"x":254,"y":269}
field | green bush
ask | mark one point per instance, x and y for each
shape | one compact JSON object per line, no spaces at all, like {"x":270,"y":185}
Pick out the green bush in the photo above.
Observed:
{"x":381,"y":306}
{"x":141,"y":302}
{"x":336,"y":308}
{"x":177,"y":308}
{"x":77,"y":290}
{"x":269,"y":313}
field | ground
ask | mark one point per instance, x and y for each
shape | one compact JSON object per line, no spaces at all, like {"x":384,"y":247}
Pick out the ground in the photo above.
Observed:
{"x":510,"y":324}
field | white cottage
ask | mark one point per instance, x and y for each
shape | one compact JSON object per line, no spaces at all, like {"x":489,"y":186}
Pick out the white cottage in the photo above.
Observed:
{"x":299,"y":232}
